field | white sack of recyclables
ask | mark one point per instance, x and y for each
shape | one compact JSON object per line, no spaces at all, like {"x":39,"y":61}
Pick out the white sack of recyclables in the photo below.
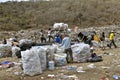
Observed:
{"x":60,"y":59}
{"x":44,"y":52}
{"x":14,"y":50}
{"x":60,"y":26}
{"x":57,"y":48}
{"x":41,"y":51}
{"x":31,"y":63}
{"x":81,"y":48}
{"x":81,"y":52}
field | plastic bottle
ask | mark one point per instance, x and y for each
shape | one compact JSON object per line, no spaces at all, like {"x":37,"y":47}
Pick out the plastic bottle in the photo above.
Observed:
{"x":51,"y":65}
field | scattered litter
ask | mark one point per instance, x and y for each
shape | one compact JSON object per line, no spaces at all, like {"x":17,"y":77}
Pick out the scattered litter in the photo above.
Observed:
{"x":9,"y":69}
{"x":72,"y":68}
{"x":74,"y":77}
{"x":17,"y":64}
{"x":16,"y":73}
{"x":64,"y":67}
{"x":42,"y":77}
{"x":51,"y":76}
{"x":91,"y":66}
{"x":116,"y":77}
{"x":104,"y":67}
{"x":110,"y":54}
{"x":7,"y":64}
{"x":64,"y":76}
{"x":80,"y":69}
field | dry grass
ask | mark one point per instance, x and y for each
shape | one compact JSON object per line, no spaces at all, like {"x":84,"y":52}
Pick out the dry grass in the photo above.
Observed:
{"x":83,"y":13}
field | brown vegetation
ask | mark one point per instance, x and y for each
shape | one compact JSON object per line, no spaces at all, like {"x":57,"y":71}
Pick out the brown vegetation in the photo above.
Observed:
{"x":40,"y":14}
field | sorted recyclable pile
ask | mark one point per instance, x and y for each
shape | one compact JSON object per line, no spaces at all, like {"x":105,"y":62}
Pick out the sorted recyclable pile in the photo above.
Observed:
{"x":41,"y":51}
{"x":81,"y":52}
{"x":60,"y":59}
{"x":31,"y":63}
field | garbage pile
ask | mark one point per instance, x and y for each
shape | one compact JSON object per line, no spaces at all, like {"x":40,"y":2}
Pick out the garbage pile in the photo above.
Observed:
{"x":39,"y":58}
{"x":36,"y":59}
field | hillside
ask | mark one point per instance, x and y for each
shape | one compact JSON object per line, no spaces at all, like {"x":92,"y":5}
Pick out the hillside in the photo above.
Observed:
{"x":43,"y":14}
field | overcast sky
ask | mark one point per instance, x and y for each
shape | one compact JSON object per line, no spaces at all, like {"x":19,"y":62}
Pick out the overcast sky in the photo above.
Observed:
{"x":12,"y":0}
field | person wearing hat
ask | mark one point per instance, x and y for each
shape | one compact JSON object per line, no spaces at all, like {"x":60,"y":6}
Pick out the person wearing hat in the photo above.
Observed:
{"x":111,"y":37}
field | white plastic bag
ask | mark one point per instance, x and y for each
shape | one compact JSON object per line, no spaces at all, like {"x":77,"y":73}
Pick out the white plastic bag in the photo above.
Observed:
{"x":41,"y":51}
{"x":81,"y":52}
{"x":14,"y":50}
{"x":31,"y":63}
{"x":60,"y":59}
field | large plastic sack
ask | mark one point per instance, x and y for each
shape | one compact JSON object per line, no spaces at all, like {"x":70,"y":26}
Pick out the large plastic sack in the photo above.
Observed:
{"x":60,"y":50}
{"x":55,"y":46}
{"x":14,"y":50}
{"x":9,"y":42}
{"x":41,"y":51}
{"x":81,"y":52}
{"x":81,"y":48}
{"x":80,"y":57}
{"x":31,"y":63}
{"x":5,"y":50}
{"x":57,"y":49}
{"x":60,"y":26}
{"x":60,"y":59}
{"x":50,"y":53}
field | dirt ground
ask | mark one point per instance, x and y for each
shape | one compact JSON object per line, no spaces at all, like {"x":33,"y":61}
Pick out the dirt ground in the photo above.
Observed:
{"x":107,"y":68}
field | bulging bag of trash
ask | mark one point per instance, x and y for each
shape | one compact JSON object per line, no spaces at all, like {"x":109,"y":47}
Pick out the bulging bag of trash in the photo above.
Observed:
{"x":14,"y":50}
{"x":50,"y":53}
{"x":60,"y":50}
{"x":60,"y":59}
{"x":55,"y":46}
{"x":41,"y":51}
{"x":81,"y":52}
{"x":31,"y":63}
{"x":95,"y":58}
{"x":5,"y":50}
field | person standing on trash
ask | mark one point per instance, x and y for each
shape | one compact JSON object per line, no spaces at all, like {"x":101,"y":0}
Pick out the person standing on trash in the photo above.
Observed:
{"x":42,"y":37}
{"x":66,"y":44}
{"x":111,"y":37}
{"x":96,"y":38}
{"x":102,"y":39}
{"x":4,"y":41}
{"x":49,"y":34}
